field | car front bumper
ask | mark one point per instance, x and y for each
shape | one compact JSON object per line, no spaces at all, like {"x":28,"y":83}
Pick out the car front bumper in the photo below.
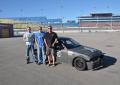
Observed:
{"x":93,"y":64}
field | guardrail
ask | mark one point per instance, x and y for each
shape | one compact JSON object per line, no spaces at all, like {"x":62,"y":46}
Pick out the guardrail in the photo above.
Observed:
{"x":20,"y":32}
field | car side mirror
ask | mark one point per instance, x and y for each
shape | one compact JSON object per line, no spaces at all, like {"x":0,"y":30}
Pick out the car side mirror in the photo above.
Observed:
{"x":59,"y":46}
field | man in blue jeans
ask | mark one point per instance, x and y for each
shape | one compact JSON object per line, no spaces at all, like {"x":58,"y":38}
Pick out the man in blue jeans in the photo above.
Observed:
{"x":28,"y":37}
{"x":39,"y":39}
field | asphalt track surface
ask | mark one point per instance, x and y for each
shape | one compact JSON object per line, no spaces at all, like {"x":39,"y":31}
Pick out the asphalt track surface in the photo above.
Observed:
{"x":14,"y":71}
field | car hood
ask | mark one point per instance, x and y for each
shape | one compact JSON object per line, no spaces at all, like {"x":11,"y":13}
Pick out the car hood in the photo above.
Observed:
{"x":86,"y":51}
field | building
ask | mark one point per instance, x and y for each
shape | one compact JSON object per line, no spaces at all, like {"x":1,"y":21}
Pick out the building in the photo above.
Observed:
{"x":6,"y":30}
{"x":100,"y":20}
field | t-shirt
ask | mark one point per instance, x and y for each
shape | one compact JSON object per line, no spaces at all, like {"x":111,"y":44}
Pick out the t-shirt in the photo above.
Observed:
{"x":50,"y":38}
{"x":29,"y":38}
{"x":40,"y":38}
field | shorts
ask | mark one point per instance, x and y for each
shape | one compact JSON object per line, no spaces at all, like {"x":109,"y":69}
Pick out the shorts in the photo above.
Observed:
{"x":50,"y":51}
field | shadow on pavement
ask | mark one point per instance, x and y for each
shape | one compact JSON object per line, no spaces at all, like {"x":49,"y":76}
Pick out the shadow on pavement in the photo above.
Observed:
{"x":106,"y":62}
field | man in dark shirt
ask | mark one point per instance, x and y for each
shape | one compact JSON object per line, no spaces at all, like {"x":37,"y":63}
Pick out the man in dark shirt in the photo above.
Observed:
{"x":50,"y":39}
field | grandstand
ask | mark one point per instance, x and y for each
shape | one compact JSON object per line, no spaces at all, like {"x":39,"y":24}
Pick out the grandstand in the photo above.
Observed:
{"x":100,"y":20}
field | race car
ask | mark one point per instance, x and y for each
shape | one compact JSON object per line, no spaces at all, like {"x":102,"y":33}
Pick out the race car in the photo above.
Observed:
{"x":79,"y":56}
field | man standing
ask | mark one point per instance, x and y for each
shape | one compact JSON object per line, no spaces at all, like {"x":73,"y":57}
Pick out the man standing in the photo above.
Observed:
{"x":50,"y":39}
{"x":39,"y":38}
{"x":28,"y":37}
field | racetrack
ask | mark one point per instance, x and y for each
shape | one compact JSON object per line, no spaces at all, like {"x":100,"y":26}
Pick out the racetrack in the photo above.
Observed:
{"x":14,"y":71}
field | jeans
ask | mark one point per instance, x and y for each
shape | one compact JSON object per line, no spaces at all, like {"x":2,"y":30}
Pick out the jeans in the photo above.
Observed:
{"x":30,"y":49}
{"x":41,"y":54}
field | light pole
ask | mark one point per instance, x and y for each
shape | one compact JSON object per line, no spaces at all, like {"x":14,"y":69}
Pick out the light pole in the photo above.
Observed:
{"x":119,"y":21}
{"x":21,"y":10}
{"x":111,"y":22}
{"x":61,"y":8}
{"x":96,"y":17}
{"x":41,"y":11}
{"x":42,"y":22}
{"x":0,"y":12}
{"x":62,"y":24}
{"x":97,"y":22}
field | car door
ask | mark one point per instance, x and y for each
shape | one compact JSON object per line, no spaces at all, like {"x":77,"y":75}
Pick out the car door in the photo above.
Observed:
{"x":62,"y":56}
{"x":61,"y":53}
{"x":68,"y":43}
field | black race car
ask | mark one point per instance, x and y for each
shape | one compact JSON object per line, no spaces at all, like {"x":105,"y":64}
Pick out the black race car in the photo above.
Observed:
{"x":79,"y":56}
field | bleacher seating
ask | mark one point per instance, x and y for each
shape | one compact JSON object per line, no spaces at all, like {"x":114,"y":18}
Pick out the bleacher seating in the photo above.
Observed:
{"x":114,"y":25}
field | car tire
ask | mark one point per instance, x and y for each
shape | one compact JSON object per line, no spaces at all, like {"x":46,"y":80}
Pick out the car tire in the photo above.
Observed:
{"x":79,"y":64}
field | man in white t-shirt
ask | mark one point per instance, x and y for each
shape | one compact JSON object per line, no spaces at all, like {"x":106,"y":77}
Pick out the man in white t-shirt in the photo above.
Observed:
{"x":28,"y":37}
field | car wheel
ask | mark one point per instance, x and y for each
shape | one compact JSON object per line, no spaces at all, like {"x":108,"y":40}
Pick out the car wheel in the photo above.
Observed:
{"x":79,"y":64}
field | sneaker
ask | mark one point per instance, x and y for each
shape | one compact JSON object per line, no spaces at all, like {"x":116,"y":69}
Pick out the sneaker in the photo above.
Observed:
{"x":44,"y":63}
{"x":38,"y":63}
{"x":28,"y":61}
{"x":49,"y":65}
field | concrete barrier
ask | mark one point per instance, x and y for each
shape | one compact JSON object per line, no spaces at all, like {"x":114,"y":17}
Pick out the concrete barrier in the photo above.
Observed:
{"x":19,"y":32}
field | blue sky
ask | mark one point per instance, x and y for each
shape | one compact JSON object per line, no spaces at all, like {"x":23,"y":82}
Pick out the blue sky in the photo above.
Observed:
{"x":67,"y":9}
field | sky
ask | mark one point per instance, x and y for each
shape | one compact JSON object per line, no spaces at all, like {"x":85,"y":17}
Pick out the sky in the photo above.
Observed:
{"x":65,"y":9}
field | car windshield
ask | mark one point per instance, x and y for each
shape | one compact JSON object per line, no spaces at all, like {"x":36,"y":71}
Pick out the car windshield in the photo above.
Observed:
{"x":70,"y":43}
